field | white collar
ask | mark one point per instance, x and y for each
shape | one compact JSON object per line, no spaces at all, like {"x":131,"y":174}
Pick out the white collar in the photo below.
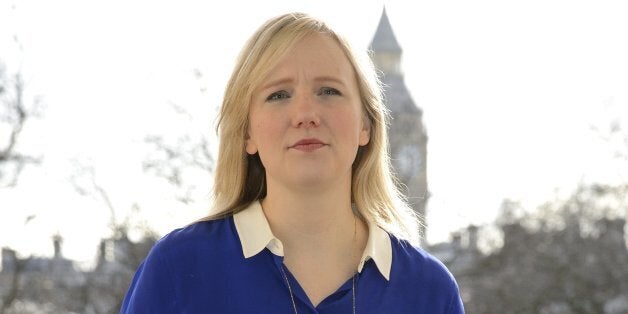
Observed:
{"x":255,"y":235}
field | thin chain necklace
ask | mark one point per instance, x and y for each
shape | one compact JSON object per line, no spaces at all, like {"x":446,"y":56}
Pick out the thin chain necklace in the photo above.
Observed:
{"x":285,"y":276}
{"x":294,"y":305}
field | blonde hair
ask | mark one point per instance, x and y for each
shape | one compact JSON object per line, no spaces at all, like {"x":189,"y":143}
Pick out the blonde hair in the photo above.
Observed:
{"x":240,"y":177}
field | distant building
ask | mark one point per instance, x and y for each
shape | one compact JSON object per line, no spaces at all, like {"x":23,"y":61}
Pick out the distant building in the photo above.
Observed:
{"x":461,"y":253}
{"x":57,"y":265}
{"x":407,"y":135}
{"x":55,"y":285}
{"x":25,"y":282}
{"x":461,"y":256}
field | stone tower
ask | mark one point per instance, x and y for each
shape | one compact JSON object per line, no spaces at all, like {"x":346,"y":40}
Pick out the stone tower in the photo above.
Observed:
{"x":408,"y":139}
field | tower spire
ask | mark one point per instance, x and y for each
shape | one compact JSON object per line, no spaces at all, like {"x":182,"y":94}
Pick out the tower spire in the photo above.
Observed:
{"x":384,"y":39}
{"x":385,"y":48}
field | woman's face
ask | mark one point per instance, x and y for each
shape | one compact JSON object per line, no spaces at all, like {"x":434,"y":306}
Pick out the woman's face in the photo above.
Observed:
{"x":306,"y":119}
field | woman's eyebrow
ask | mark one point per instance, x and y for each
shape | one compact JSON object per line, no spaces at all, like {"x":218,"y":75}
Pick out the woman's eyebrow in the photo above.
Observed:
{"x":288,"y":80}
{"x":280,"y":81}
{"x":334,"y":79}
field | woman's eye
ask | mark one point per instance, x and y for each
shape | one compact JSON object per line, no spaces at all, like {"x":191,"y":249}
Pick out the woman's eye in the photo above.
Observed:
{"x":328,"y":91}
{"x":278,"y":95}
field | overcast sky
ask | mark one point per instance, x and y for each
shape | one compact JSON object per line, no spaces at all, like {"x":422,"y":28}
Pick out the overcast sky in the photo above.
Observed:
{"x":509,"y":91}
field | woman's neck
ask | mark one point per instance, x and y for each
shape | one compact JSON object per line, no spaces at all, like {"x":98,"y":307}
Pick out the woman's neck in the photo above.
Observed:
{"x":308,"y":218}
{"x":305,"y":219}
{"x":322,"y":239}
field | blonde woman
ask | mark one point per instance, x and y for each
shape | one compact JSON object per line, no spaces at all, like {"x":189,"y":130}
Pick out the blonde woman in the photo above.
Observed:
{"x":306,"y":216}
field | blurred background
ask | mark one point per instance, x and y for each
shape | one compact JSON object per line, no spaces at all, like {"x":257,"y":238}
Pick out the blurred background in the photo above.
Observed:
{"x":509,"y":132}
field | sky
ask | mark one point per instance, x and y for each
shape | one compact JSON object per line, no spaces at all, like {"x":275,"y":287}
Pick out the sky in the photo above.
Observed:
{"x":509,"y":92}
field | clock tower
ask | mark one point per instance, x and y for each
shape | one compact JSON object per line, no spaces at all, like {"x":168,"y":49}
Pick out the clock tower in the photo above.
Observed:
{"x":407,"y":136}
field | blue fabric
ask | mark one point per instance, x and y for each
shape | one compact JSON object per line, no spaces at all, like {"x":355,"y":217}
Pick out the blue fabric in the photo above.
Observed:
{"x":201,"y":269}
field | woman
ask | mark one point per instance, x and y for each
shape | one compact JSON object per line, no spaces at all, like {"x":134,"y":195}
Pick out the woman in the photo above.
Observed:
{"x":307,"y":217}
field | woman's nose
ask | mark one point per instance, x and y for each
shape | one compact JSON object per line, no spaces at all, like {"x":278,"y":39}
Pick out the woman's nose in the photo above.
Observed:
{"x":305,"y":111}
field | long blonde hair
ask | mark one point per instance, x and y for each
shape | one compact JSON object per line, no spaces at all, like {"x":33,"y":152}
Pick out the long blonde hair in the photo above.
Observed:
{"x":240,"y":177}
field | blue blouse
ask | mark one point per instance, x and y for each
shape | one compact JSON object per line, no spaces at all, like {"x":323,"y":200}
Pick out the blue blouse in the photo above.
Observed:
{"x":234,"y":265}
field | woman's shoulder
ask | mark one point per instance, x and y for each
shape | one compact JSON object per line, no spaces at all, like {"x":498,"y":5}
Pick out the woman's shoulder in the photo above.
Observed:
{"x":416,"y":262}
{"x":432,"y":285}
{"x":184,"y":257}
{"x":203,"y":234}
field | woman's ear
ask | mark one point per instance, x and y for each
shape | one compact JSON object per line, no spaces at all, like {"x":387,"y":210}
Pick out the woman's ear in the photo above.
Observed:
{"x":365,"y":133}
{"x":249,"y":145}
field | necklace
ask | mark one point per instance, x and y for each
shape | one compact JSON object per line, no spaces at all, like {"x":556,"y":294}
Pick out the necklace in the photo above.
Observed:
{"x":294,"y":305}
{"x":285,"y":276}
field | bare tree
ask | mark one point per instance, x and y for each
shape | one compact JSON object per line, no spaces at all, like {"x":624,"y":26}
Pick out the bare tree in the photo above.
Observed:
{"x":610,"y":128}
{"x":176,"y":162}
{"x":85,"y":184}
{"x":14,"y":115}
{"x":567,"y":256}
{"x":570,"y":256}
{"x":118,"y":255}
{"x":183,"y":160}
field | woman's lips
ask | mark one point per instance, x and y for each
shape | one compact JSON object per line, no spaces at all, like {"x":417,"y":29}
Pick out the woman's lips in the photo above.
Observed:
{"x":308,"y":145}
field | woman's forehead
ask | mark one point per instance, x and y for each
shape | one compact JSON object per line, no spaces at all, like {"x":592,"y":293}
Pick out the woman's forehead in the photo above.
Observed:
{"x":315,"y":57}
